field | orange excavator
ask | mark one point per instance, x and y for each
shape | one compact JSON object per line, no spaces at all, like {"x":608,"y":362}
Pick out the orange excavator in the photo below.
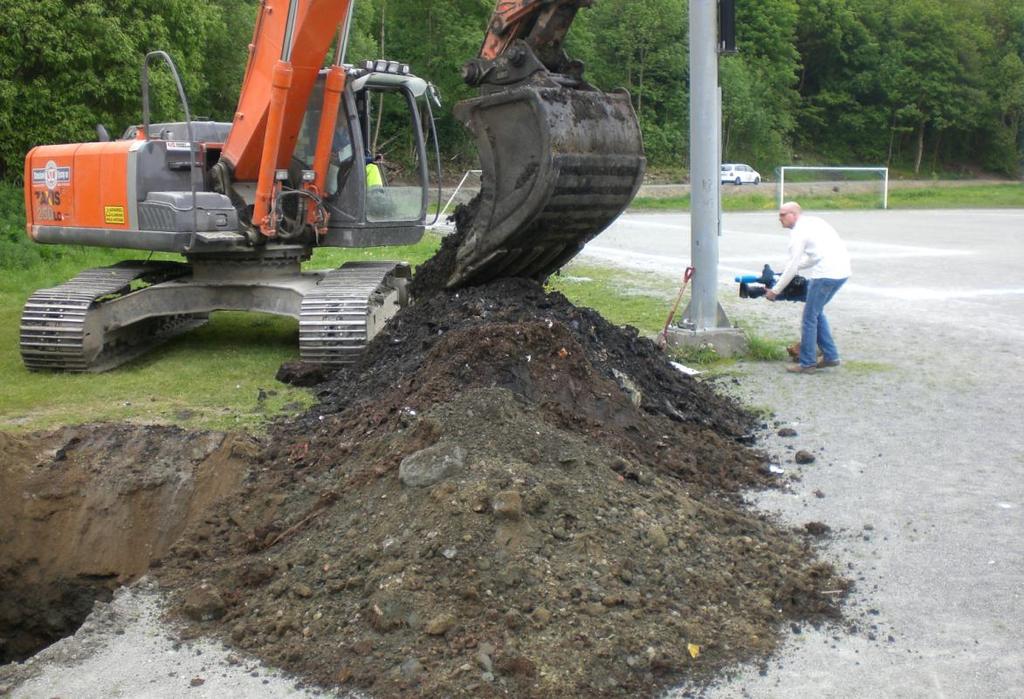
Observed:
{"x":246,"y":202}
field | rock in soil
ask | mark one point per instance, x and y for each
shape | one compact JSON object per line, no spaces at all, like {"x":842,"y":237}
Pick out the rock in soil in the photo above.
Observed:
{"x":583,"y":540}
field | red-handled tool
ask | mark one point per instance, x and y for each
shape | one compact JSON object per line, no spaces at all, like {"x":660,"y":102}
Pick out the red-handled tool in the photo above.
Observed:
{"x":663,"y":337}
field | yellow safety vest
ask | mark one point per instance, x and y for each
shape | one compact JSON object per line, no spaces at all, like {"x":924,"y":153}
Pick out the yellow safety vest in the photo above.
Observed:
{"x":373,"y":178}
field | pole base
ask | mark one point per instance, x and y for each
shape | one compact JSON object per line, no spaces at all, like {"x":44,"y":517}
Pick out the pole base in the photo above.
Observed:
{"x":728,"y":342}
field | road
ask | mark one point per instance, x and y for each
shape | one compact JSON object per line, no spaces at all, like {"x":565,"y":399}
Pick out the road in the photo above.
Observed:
{"x":920,"y":469}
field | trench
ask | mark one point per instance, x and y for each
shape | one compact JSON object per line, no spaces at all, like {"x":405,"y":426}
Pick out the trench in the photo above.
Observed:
{"x":86,"y":509}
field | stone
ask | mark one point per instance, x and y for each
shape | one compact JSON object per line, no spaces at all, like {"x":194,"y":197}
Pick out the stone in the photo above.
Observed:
{"x":803,"y":457}
{"x":541,"y":616}
{"x":508,"y":504}
{"x":411,"y":669}
{"x":439,"y":625}
{"x":483,"y":660}
{"x":203,"y":603}
{"x":387,"y":613}
{"x":515,"y":664}
{"x":657,"y":537}
{"x":431,"y":465}
{"x":636,"y":396}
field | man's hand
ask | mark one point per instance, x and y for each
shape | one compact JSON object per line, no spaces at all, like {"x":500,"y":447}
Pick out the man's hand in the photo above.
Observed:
{"x":770,"y":295}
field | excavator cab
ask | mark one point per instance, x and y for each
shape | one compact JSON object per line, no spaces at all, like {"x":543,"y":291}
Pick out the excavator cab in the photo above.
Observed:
{"x":365,"y":205}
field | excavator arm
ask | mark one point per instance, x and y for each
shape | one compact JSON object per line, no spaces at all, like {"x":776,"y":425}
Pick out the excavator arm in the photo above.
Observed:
{"x":560,"y":159}
{"x":541,"y":25}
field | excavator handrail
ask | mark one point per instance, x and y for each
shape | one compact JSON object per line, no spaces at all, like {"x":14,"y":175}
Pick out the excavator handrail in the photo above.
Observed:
{"x":432,"y":94}
{"x":144,"y":79}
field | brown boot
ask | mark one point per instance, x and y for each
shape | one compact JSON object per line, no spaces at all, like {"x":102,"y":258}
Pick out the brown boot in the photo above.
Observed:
{"x":794,"y":353}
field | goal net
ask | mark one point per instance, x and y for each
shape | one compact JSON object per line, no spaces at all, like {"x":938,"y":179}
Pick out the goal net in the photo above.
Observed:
{"x":797,"y":180}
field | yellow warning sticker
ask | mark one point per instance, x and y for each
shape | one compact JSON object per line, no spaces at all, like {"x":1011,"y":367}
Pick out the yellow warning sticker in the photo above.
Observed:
{"x":113,"y":214}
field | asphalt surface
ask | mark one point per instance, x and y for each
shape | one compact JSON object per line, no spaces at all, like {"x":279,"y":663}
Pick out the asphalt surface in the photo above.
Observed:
{"x":918,"y":438}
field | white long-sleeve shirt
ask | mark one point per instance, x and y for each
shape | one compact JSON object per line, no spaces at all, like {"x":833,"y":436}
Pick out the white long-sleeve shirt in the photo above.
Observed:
{"x":816,"y":251}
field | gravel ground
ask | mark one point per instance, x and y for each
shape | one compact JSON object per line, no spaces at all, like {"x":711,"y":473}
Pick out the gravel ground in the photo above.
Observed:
{"x":124,"y":649}
{"x":920,"y":468}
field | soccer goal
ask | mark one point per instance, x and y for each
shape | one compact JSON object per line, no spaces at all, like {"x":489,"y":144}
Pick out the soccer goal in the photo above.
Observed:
{"x":805,"y":179}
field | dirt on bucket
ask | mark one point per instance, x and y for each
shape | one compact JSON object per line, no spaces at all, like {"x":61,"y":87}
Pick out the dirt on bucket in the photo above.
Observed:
{"x":507,"y":496}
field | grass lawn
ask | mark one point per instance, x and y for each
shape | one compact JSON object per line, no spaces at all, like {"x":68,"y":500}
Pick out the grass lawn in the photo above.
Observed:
{"x":221,"y":376}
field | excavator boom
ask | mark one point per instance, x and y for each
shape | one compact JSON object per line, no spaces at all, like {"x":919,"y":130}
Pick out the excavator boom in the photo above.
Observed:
{"x":304,"y":45}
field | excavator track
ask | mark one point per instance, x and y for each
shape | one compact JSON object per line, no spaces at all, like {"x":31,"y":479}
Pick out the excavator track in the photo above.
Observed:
{"x":347,"y":308}
{"x":64,"y":328}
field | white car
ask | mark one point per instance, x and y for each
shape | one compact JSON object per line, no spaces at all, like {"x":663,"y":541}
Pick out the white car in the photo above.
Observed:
{"x":738,"y":174}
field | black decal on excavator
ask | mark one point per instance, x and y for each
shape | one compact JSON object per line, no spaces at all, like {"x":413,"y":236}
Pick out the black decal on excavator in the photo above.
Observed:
{"x":46,"y":213}
{"x":48,"y":197}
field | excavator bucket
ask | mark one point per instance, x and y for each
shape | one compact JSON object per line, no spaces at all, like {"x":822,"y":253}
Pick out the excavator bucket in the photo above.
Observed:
{"x":558,"y":166}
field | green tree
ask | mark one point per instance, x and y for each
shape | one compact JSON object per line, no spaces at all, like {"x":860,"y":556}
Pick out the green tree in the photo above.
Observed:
{"x":641,"y":45}
{"x":759,"y":99}
{"x":843,"y":114}
{"x":927,"y":69}
{"x":76,"y":64}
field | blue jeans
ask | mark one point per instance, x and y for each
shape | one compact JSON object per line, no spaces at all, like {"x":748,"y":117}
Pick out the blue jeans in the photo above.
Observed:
{"x":814,"y":331}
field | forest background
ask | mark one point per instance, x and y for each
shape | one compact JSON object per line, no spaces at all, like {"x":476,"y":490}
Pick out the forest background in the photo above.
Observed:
{"x":933,"y":88}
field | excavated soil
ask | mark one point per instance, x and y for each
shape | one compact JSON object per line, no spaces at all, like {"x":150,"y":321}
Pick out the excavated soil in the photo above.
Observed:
{"x":508,"y":496}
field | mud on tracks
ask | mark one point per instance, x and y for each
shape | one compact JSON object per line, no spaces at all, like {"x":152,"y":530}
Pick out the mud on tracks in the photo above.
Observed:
{"x":508,"y":496}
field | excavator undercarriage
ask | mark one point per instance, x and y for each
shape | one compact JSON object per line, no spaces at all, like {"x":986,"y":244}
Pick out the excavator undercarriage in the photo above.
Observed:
{"x":109,"y":315}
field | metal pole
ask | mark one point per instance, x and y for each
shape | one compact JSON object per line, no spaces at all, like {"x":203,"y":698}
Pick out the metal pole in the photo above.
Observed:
{"x":705,"y":166}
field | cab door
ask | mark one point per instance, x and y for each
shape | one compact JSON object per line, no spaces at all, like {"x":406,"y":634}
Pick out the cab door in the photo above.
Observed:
{"x":384,"y":179}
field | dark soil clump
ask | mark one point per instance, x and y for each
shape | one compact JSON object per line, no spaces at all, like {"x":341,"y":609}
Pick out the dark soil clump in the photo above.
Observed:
{"x":508,"y":496}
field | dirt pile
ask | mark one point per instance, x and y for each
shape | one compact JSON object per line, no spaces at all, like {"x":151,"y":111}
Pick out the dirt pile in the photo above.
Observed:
{"x":509,"y":496}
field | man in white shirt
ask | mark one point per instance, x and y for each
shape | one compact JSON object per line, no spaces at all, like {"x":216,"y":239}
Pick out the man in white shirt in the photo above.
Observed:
{"x":817,"y":252}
